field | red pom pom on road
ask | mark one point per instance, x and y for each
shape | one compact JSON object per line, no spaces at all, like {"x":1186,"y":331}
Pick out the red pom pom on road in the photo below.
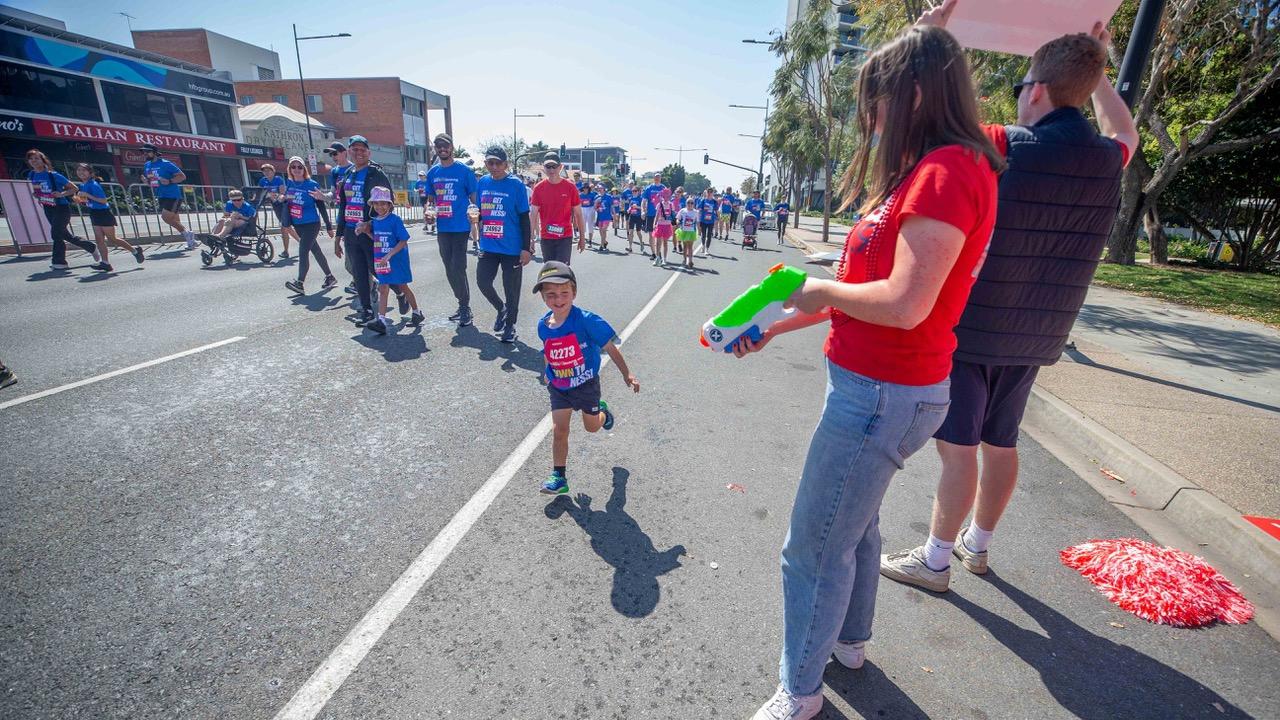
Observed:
{"x":1159,"y":584}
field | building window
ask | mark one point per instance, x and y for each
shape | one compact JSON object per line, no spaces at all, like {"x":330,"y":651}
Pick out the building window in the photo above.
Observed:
{"x":315,"y":104}
{"x":213,"y":119}
{"x":349,"y":103}
{"x":282,"y":99}
{"x":146,"y":108}
{"x":266,"y":74}
{"x":411,"y":106}
{"x":47,"y":93}
{"x":246,"y":99}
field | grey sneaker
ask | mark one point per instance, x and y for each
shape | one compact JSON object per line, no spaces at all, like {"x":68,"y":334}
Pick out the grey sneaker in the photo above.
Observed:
{"x":974,"y":562}
{"x":908,"y":567}
{"x":785,"y":706}
{"x":850,"y":655}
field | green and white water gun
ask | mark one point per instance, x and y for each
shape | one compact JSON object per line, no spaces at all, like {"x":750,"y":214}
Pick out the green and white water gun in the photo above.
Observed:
{"x":754,"y":311}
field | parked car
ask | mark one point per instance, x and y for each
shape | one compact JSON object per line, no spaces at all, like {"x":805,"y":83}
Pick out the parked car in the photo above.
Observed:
{"x":769,"y":220}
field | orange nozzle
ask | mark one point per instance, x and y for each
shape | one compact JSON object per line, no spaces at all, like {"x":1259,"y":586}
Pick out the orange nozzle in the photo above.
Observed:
{"x":776,"y":268}
{"x":702,"y":339}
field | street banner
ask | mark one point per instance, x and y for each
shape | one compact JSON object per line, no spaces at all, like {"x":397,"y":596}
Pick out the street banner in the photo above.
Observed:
{"x":1021,"y":26}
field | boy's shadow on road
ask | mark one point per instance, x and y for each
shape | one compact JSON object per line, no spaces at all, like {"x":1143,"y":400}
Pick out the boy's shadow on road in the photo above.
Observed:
{"x":514,"y":355}
{"x":619,"y":541}
{"x":1091,"y":677}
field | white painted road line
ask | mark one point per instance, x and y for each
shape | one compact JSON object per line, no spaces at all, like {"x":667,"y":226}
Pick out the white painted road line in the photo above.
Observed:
{"x":315,"y":693}
{"x":114,"y":373}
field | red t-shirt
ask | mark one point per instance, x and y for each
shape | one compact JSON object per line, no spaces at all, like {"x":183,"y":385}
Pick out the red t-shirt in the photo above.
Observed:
{"x":952,"y":186}
{"x":555,"y":203}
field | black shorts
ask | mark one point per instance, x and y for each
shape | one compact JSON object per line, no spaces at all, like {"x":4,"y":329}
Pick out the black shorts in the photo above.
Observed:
{"x":585,"y":397}
{"x":560,"y":250}
{"x":282,"y":214}
{"x":648,"y":223}
{"x":101,"y":218}
{"x":987,"y":402}
{"x":635,"y":222}
{"x":170,"y":204}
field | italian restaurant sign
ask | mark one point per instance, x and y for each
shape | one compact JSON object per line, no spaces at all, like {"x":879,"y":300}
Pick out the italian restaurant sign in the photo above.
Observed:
{"x":84,"y":132}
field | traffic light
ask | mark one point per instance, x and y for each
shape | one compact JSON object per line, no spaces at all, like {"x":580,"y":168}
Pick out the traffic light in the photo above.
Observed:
{"x":706,"y":158}
{"x":563,"y":152}
{"x":623,"y":170}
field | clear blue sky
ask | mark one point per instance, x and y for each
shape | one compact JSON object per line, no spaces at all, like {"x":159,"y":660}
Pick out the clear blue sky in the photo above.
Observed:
{"x":636,"y":74}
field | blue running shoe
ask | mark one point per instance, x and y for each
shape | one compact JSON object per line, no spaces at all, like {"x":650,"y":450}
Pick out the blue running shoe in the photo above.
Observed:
{"x":556,"y":484}
{"x":608,"y":416}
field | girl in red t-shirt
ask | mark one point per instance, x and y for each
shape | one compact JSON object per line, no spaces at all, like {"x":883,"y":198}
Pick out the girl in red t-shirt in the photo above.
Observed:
{"x":908,"y":265}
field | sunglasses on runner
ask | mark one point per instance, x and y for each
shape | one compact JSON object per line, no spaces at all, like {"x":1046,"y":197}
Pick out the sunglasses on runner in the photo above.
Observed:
{"x":492,"y":162}
{"x":1017,"y":87}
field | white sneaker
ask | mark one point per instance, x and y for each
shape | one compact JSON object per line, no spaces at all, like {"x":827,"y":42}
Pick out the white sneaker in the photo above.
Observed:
{"x":97,"y":256}
{"x":785,"y":706}
{"x":850,"y":655}
{"x":909,"y":568}
{"x":191,"y":239}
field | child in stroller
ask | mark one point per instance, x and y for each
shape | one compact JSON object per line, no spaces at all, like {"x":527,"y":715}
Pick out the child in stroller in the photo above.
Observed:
{"x":750,"y":223}
{"x":237,"y":234}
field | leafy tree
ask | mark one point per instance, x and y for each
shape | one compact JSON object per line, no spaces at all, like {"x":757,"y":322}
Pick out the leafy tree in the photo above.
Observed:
{"x":673,"y":175}
{"x":695,"y":183}
{"x":749,"y":185}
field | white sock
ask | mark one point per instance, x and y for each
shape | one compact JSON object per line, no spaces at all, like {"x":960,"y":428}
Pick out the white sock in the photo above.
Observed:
{"x":937,"y":554}
{"x":977,"y":539}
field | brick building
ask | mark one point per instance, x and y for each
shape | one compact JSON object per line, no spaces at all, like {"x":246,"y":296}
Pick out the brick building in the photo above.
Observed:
{"x":390,"y":112}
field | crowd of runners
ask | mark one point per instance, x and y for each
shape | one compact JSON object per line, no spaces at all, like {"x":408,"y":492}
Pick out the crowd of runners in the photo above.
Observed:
{"x":963,"y":274}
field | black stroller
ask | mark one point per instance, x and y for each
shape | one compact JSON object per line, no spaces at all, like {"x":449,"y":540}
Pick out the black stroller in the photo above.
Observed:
{"x":248,"y":239}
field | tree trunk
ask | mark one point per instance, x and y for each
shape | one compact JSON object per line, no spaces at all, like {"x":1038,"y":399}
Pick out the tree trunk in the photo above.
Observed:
{"x":1123,"y":242}
{"x":1155,"y":235}
{"x":826,"y":194}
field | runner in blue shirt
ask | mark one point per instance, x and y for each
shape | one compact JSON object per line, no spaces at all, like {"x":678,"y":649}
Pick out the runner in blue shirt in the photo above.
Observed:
{"x":604,"y":215}
{"x":506,"y":240}
{"x":422,"y":189}
{"x":587,"y":196}
{"x":305,"y":213}
{"x":453,"y":188}
{"x":706,"y":206}
{"x":275,"y":185}
{"x":784,"y":213}
{"x":726,"y":214}
{"x":755,"y":205}
{"x":654,"y":193}
{"x":51,"y":190}
{"x":101,"y":218}
{"x":166,"y":180}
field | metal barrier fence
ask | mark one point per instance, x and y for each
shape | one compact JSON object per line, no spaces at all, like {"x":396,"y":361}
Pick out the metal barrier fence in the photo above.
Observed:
{"x":137,"y":212}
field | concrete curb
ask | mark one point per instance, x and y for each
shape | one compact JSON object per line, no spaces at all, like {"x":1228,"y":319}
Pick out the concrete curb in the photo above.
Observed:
{"x":1151,"y":487}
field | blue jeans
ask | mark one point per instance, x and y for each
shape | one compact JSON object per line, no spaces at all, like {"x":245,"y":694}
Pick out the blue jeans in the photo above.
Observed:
{"x":831,"y":558}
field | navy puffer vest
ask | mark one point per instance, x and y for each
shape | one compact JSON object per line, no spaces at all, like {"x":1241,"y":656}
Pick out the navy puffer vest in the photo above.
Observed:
{"x":1057,"y":203}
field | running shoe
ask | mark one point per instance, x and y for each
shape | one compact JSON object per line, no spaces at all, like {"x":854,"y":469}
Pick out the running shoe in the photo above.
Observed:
{"x":509,"y":334}
{"x":457,"y":314}
{"x":909,"y":568}
{"x":59,"y":266}
{"x":329,"y":282}
{"x":850,"y":655}
{"x":556,"y":484}
{"x":785,"y":706}
{"x":464,"y":317}
{"x":417,"y":318}
{"x":350,"y":289}
{"x":295,"y":287}
{"x":376,"y":325}
{"x":104,"y":267}
{"x":974,"y":562}
{"x":191,"y":239}
{"x":137,"y":255}
{"x":7,"y":377}
{"x":608,"y":416}
{"x":501,"y":320}
{"x":97,"y":256}
{"x":402,"y":303}
{"x":364,"y":318}
{"x":284,"y":254}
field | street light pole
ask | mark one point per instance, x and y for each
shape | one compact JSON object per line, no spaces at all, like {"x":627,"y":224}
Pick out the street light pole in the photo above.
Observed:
{"x":1135,"y":55}
{"x":306,"y":111}
{"x":765,"y":108}
{"x":515,"y":141}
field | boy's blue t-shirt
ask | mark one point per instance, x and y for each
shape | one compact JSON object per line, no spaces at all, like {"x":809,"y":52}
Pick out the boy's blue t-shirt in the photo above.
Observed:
{"x":276,"y":184}
{"x":161,"y":168}
{"x":452,"y":188}
{"x":501,"y":203}
{"x":782,"y":208}
{"x":572,"y":350}
{"x":246,"y":209}
{"x":420,"y":187}
{"x":93,"y":189}
{"x":47,"y":183}
{"x":302,"y":207}
{"x":755,"y":206}
{"x":726,"y":204}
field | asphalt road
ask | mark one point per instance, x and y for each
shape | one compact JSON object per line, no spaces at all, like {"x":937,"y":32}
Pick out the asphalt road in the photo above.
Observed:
{"x":193,"y":539}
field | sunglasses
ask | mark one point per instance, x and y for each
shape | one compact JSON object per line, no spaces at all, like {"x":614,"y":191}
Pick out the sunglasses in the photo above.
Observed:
{"x":491,"y":161}
{"x":296,"y":167}
{"x":1017,"y":87}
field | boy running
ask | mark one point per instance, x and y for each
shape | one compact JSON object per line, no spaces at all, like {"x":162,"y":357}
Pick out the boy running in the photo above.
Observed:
{"x":572,"y":339}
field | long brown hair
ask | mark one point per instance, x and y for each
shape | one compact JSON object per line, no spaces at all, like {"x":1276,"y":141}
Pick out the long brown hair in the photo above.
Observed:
{"x":48,"y":164}
{"x":926,"y":59}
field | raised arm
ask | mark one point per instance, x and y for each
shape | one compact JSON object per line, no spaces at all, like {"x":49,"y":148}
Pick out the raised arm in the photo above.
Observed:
{"x":1114,"y":119}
